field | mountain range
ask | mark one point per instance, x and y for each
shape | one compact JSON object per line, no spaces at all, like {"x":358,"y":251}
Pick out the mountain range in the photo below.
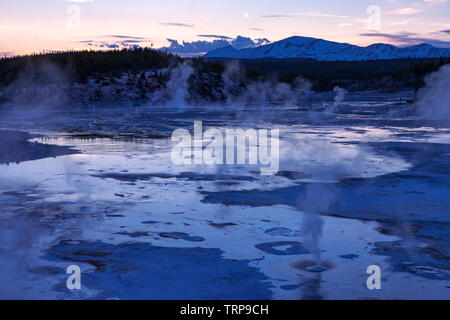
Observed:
{"x":199,"y":48}
{"x":322,"y":50}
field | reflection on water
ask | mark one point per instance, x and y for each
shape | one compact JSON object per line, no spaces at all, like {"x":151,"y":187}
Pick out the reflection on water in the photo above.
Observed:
{"x":110,"y":206}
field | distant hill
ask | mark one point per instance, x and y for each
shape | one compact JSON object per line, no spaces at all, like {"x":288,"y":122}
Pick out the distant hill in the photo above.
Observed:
{"x":138,"y":74}
{"x":323,"y":50}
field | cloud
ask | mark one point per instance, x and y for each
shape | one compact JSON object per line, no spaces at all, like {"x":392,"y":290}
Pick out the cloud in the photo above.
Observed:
{"x":402,"y":22}
{"x":81,"y":1}
{"x":308,"y":14}
{"x":177,"y":24}
{"x":195,"y":47}
{"x":116,"y":41}
{"x":109,"y":45}
{"x":256,"y":29}
{"x":244,"y":42}
{"x":441,"y":25}
{"x":202,"y":46}
{"x":404,"y":11}
{"x":445,"y":31}
{"x":214,"y":36}
{"x":408,"y":39}
{"x":101,"y":44}
{"x":278,"y":16}
{"x":344,"y":25}
{"x":434,"y":1}
{"x":125,"y":37}
{"x":320,"y":14}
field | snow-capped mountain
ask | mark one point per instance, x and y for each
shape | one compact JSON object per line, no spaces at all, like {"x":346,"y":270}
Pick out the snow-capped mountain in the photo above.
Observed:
{"x":199,"y":48}
{"x":323,"y":50}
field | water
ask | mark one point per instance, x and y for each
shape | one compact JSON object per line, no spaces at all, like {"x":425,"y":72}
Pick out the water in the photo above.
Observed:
{"x":142,"y":227}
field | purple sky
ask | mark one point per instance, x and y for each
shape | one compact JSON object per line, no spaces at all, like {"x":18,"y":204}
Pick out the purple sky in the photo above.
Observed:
{"x":29,"y":25}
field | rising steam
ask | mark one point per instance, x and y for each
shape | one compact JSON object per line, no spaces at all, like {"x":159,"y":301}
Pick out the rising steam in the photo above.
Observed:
{"x":433,"y":100}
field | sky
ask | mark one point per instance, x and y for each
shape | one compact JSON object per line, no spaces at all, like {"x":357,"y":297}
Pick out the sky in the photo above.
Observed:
{"x":47,"y":25}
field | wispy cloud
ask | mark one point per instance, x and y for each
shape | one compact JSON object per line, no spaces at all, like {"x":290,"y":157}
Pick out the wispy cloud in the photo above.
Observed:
{"x":321,"y":14}
{"x":402,"y":22}
{"x":404,"y":11}
{"x":177,"y":24}
{"x":115,"y":41}
{"x":278,"y":16}
{"x":407,"y":39}
{"x":434,"y":1}
{"x":125,"y":37}
{"x":307,"y":14}
{"x":441,"y":25}
{"x":215,"y":36}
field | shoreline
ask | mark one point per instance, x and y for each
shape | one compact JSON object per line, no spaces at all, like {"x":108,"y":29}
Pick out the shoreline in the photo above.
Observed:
{"x":19,"y":149}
